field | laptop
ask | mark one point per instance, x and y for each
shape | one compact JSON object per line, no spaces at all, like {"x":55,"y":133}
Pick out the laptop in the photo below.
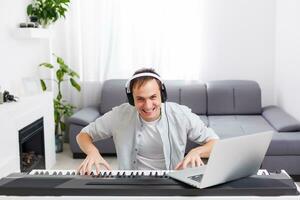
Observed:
{"x":230,"y":159}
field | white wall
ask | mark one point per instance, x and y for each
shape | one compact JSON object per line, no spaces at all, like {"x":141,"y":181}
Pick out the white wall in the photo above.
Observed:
{"x":239,"y":42}
{"x":19,"y":57}
{"x":288,"y":56}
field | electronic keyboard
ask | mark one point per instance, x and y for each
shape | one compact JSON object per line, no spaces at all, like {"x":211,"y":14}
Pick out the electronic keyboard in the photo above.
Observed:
{"x":137,"y":183}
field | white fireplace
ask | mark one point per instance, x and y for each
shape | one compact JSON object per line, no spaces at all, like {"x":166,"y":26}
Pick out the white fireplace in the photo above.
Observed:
{"x":16,"y":115}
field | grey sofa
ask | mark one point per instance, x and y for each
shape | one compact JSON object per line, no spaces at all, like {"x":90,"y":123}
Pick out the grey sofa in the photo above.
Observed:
{"x":230,"y":107}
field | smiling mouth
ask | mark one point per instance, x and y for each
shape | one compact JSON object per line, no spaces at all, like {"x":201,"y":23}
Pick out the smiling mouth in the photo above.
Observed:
{"x":149,"y":111}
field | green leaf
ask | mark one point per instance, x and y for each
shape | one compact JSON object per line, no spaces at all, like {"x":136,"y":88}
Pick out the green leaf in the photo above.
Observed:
{"x":62,"y":126}
{"x":60,"y":61}
{"x":75,"y":84}
{"x":64,"y":68}
{"x":43,"y":84}
{"x":60,"y":75}
{"x":48,"y":65}
{"x":29,"y":10}
{"x":73,"y":74}
{"x":56,"y":116}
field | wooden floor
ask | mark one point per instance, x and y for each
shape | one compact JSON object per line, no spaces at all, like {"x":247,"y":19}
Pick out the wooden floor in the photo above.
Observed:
{"x":65,"y":160}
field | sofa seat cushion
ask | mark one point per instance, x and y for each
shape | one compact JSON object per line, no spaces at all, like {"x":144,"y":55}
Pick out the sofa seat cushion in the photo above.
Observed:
{"x":204,"y":118}
{"x":285,"y":143}
{"x":236,"y":125}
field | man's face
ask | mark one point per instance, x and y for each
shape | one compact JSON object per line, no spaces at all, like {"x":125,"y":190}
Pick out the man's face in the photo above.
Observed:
{"x":147,"y":100}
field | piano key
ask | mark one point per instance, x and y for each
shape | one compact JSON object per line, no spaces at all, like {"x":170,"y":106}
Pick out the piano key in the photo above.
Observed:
{"x":103,"y":173}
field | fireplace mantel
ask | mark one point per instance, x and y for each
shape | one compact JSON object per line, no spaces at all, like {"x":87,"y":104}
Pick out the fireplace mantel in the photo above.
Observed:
{"x":15,"y":116}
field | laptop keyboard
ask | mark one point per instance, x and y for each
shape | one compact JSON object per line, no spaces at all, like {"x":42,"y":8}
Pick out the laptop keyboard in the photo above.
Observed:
{"x":197,"y":178}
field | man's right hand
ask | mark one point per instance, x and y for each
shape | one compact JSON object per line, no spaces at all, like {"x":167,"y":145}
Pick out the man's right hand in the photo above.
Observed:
{"x":92,"y":158}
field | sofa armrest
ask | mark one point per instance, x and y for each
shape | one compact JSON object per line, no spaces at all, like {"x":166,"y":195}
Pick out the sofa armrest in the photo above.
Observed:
{"x":280,"y":120}
{"x":84,"y":116}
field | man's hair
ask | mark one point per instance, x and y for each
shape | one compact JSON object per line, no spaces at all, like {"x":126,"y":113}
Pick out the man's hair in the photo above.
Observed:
{"x":140,"y":81}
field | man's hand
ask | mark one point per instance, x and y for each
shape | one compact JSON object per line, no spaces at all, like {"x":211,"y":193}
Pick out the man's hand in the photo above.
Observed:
{"x":193,"y":158}
{"x":93,"y":158}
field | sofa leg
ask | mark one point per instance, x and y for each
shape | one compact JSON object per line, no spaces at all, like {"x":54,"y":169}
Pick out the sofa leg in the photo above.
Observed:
{"x":79,"y":155}
{"x":296,"y":178}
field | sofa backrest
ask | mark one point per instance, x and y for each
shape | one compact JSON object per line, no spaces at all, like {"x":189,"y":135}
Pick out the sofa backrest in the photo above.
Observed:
{"x":112,"y":94}
{"x":189,"y":93}
{"x":213,"y":98}
{"x":233,"y":97}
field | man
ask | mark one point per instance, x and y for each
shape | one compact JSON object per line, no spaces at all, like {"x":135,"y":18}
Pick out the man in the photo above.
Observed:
{"x":148,"y":132}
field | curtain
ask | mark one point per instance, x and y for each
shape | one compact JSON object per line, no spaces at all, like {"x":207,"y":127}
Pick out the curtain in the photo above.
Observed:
{"x":105,"y":39}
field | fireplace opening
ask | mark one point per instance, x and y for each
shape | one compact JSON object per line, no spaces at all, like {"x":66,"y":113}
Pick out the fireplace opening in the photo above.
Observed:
{"x":32,"y":148}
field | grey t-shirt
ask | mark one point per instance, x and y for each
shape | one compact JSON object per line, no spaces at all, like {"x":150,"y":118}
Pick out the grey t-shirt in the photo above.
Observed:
{"x":151,"y":153}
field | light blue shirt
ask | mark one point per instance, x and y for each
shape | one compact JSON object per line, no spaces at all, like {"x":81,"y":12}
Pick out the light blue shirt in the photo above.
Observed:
{"x":123,"y":123}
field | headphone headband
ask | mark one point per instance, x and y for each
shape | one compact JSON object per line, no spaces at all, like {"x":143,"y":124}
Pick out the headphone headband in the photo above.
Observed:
{"x":127,"y":85}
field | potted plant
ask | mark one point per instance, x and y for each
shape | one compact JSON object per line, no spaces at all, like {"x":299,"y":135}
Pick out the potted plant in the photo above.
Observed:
{"x":47,"y":11}
{"x":62,"y":108}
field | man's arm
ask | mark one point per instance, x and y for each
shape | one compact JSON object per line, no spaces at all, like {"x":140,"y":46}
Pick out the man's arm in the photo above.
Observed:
{"x":93,"y":157}
{"x":193,"y":158}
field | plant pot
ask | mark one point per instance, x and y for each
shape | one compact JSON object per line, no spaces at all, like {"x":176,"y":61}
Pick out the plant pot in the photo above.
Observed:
{"x":59,"y":143}
{"x":33,"y":19}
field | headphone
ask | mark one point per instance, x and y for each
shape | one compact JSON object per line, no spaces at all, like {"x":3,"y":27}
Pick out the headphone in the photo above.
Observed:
{"x":163,"y":94}
{"x":163,"y":91}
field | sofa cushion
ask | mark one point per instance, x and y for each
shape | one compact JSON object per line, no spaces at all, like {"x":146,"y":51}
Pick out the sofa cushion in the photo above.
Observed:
{"x":204,"y":119}
{"x":236,"y":125}
{"x":253,"y":123}
{"x":288,"y":163}
{"x":173,"y":88}
{"x":113,"y":94}
{"x":193,"y":95}
{"x":233,"y":97}
{"x":280,"y":120}
{"x":84,"y":116}
{"x":285,"y":144}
